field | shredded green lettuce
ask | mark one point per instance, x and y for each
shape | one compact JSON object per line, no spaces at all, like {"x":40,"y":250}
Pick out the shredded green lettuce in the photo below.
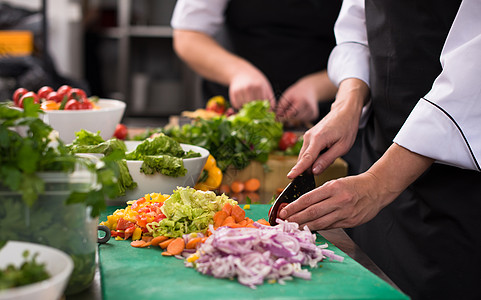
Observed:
{"x":188,"y":210}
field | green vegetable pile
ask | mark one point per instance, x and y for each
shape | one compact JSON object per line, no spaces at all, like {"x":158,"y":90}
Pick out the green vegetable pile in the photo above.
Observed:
{"x":160,"y":154}
{"x":188,"y":210}
{"x":251,"y":134}
{"x":29,"y":272}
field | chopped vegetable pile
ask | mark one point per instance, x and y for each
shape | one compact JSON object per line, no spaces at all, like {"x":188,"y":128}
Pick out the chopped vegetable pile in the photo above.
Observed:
{"x":188,"y":210}
{"x":214,"y":236}
{"x":257,"y":254}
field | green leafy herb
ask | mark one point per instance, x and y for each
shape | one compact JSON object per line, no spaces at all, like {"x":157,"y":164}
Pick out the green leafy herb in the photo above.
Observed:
{"x":30,"y":271}
{"x":28,"y":146}
{"x":249,"y":135}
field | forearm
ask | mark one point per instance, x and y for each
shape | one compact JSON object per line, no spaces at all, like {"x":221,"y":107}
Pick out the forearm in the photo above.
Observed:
{"x":205,"y":56}
{"x":352,"y":95}
{"x":323,"y":87}
{"x":396,"y":170}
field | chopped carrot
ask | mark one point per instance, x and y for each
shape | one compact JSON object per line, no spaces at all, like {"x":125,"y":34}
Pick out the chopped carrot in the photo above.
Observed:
{"x":165,"y":243}
{"x":233,"y":225}
{"x":158,"y":239}
{"x":192,"y":244}
{"x":238,"y":213}
{"x":251,"y":226}
{"x":147,"y":238}
{"x":165,"y":253}
{"x":252,"y":185}
{"x":249,"y":220}
{"x":146,"y":244}
{"x":243,"y":223}
{"x":227,"y":208}
{"x":137,"y":243}
{"x":204,"y":239}
{"x":263,"y":222}
{"x":176,"y":246}
{"x":237,"y":186}
{"x":219,"y":218}
{"x":228,"y":220}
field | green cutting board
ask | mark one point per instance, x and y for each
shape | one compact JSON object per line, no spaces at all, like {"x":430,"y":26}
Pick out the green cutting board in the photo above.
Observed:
{"x":143,"y":274}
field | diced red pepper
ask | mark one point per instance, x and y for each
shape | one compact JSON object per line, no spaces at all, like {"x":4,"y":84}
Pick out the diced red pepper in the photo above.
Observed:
{"x":136,"y":204}
{"x":123,"y":224}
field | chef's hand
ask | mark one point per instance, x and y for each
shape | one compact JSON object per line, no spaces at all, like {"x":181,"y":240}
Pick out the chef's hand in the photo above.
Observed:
{"x":250,"y":84}
{"x":336,"y":132}
{"x":351,"y":201}
{"x":299,"y":101}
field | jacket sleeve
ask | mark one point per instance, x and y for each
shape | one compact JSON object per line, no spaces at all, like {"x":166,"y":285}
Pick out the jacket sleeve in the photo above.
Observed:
{"x":446,"y":124}
{"x":350,"y":57}
{"x":206,"y":16}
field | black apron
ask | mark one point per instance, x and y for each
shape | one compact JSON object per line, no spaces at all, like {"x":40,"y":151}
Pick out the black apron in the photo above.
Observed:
{"x":285,"y":39}
{"x":428,"y":240}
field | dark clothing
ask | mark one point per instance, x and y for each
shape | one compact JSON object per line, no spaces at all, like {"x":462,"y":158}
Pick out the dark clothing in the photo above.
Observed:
{"x":285,"y":39}
{"x":427,"y":241}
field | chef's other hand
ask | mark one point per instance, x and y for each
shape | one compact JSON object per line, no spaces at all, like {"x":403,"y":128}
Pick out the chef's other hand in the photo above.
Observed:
{"x":298,"y":102}
{"x":354,"y":200}
{"x":336,"y":132}
{"x":340,"y":203}
{"x":249,"y":85}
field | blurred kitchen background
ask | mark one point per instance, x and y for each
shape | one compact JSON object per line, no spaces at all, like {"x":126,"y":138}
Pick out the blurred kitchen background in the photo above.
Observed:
{"x":119,"y":49}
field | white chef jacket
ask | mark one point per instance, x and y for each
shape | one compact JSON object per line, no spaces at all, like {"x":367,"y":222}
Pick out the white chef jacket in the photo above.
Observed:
{"x":206,"y":16}
{"x":446,"y":123}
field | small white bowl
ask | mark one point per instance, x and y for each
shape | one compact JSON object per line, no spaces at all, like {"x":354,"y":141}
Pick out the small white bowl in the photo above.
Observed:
{"x":105,"y":119}
{"x":58,"y":264}
{"x":159,"y":183}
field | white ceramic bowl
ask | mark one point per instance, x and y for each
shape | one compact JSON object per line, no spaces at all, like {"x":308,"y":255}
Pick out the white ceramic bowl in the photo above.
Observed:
{"x":58,"y":264}
{"x":159,"y":183}
{"x":105,"y":119}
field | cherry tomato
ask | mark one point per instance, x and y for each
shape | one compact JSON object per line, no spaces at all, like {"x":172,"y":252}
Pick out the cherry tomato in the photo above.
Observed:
{"x":77,"y":94}
{"x":72,"y":104}
{"x":18,"y":94}
{"x":44,"y":91}
{"x":121,"y":131}
{"x":287,"y":140}
{"x":86,"y":104}
{"x":28,"y":95}
{"x":54,"y":96}
{"x":63,"y":90}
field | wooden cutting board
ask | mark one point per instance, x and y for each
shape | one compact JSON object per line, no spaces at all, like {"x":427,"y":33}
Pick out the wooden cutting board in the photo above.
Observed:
{"x":273,"y":175}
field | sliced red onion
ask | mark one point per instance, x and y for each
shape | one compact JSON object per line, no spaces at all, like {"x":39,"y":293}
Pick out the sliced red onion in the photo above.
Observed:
{"x":262,"y":253}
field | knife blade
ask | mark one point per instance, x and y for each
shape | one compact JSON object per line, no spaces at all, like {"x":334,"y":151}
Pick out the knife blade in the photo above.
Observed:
{"x":300,"y":185}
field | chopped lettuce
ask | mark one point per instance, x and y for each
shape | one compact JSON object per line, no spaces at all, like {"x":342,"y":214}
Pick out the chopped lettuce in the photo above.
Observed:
{"x":188,"y":210}
{"x":88,"y":142}
{"x":160,"y":144}
{"x":164,"y":164}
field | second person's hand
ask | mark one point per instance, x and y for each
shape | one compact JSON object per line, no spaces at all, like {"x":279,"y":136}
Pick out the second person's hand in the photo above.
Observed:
{"x":249,"y":85}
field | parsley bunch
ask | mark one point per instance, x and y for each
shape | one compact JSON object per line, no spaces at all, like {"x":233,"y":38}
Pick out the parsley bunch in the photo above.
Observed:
{"x":38,"y":149}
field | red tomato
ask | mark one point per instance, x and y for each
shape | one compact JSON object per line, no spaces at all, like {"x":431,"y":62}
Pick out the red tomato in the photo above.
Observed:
{"x":121,"y":131}
{"x":63,"y":90}
{"x":287,"y":140}
{"x":18,"y":94}
{"x":86,"y":104}
{"x":77,"y":94}
{"x":28,"y":95}
{"x":72,"y":104}
{"x":54,"y":96}
{"x":44,"y":91}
